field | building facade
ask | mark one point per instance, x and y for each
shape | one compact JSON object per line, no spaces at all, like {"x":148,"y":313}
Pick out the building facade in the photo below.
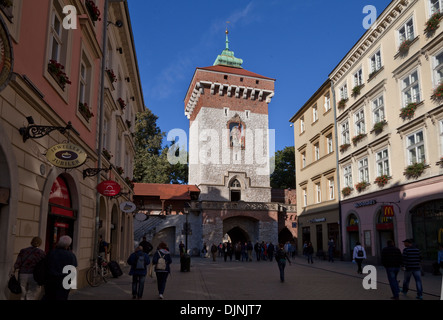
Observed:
{"x":227,"y":107}
{"x":316,"y":173}
{"x":390,"y":129}
{"x":53,"y":99}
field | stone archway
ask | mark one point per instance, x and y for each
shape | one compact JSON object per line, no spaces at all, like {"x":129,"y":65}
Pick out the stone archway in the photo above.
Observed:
{"x":241,"y":228}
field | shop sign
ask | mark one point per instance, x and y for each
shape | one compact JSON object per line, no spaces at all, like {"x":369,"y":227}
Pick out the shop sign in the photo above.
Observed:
{"x":365,"y":203}
{"x":127,"y":207}
{"x":388,"y":211}
{"x":66,"y":156}
{"x":109,"y":188}
{"x":317,"y":220}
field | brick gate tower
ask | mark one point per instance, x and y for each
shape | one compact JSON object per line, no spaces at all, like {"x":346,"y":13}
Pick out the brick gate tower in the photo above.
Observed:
{"x":229,"y":146}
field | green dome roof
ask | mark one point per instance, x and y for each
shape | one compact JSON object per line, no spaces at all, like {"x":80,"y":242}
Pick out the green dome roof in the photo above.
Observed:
{"x":227,"y":58}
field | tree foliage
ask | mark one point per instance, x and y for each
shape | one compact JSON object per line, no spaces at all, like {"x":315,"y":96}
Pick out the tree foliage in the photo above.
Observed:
{"x":283,"y":176}
{"x":151,"y":163}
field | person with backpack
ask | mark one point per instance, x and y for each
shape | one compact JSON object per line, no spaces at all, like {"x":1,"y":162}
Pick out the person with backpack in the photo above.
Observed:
{"x":162,"y":260}
{"x":281,"y":256}
{"x":358,"y":256}
{"x":138,"y":260}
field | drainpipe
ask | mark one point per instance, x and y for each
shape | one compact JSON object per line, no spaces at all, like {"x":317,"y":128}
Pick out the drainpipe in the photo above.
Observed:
{"x":337,"y":170}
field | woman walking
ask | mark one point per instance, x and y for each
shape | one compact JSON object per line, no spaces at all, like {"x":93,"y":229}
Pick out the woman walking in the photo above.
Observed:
{"x":162,"y":260}
{"x":281,"y":256}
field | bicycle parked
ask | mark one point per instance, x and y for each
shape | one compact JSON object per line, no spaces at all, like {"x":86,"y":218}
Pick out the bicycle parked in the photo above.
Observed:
{"x":99,"y":272}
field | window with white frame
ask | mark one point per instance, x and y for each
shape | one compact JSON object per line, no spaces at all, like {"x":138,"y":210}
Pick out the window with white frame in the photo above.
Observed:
{"x":331,"y":189}
{"x":416,"y":147}
{"x":358,"y":78}
{"x":302,"y":124}
{"x":329,"y":143}
{"x":411,"y":88}
{"x":317,"y":151}
{"x":363,"y":170}
{"x":347,"y":176}
{"x":382,"y":162}
{"x":345,"y":132}
{"x":344,"y":92}
{"x":378,"y":109}
{"x":376,"y":62}
{"x":435,"y":6}
{"x":406,"y":32}
{"x":359,"y":120}
{"x":314,"y":113}
{"x":327,"y":102}
{"x":438,"y":69}
{"x":56,"y":36}
{"x":305,"y":197}
{"x":85,"y":81}
{"x":318,"y":192}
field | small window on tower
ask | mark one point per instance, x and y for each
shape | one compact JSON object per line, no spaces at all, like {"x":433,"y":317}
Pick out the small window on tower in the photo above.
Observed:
{"x":225,"y":111}
{"x":226,"y":77}
{"x":247,"y":113}
{"x":257,"y":82}
{"x":241,"y":79}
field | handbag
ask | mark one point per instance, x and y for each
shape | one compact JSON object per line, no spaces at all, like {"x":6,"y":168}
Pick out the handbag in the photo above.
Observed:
{"x":14,"y":285}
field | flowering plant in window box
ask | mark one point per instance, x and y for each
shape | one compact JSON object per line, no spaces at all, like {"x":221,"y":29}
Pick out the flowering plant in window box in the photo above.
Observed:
{"x":361,"y":186}
{"x":415,"y":170}
{"x":342,"y":103}
{"x":129,"y":182}
{"x":438,"y":92}
{"x":433,"y":23}
{"x":93,"y":10}
{"x":344,"y":147}
{"x":107,"y":154}
{"x":356,"y":91}
{"x":121,"y":102}
{"x":346,"y":191}
{"x":404,"y":46}
{"x":85,"y":111}
{"x":111,"y":75}
{"x":56,"y":70}
{"x":408,"y":111}
{"x":382,"y":180}
{"x":378,"y":127}
{"x":119,"y":170}
{"x":358,"y":137}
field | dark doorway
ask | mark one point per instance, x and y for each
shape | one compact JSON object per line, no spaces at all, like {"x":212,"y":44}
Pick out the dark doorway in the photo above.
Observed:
{"x":237,"y":234}
{"x":285,"y":235}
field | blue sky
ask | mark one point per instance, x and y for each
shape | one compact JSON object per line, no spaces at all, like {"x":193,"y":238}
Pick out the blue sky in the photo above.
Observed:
{"x":297,"y":42}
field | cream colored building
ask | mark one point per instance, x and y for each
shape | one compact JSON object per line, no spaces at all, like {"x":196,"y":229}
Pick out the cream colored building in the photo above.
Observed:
{"x":38,"y":198}
{"x":372,"y":84}
{"x":316,"y":174}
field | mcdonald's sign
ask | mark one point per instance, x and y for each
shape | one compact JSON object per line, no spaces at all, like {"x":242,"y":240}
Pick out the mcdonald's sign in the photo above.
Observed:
{"x":388,"y":211}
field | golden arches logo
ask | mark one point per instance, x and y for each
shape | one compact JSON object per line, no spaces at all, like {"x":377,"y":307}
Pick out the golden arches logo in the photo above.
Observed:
{"x":388,"y":211}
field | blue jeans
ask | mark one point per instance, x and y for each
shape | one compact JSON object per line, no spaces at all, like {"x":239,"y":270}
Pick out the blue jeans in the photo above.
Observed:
{"x":281,"y":267}
{"x":138,"y":285}
{"x":393,"y":283}
{"x":417,"y":277}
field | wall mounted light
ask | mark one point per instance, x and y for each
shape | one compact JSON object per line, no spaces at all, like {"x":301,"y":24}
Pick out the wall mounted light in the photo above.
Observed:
{"x":33,"y":131}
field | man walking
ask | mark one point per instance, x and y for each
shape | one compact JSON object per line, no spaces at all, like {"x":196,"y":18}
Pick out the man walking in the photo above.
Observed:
{"x":411,"y":262}
{"x":391,"y":259}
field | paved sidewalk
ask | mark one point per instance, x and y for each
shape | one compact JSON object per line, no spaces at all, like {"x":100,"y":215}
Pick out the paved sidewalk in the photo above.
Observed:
{"x":254,"y":280}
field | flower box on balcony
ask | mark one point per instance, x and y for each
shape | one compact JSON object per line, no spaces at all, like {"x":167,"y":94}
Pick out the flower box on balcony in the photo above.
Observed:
{"x":404,"y":46}
{"x":437,"y":95}
{"x":378,"y":127}
{"x":93,"y":10}
{"x":415,"y":170}
{"x":107,"y":154}
{"x":382,"y":180}
{"x":129,"y":182}
{"x":433,"y":23}
{"x":356,"y":90}
{"x":358,"y":137}
{"x":346,"y":191}
{"x":408,"y":111}
{"x":344,"y":147}
{"x":111,"y":75}
{"x":122,"y":103}
{"x":119,"y":170}
{"x":342,"y":103}
{"x":56,"y":71}
{"x":361,"y":186}
{"x":85,"y":111}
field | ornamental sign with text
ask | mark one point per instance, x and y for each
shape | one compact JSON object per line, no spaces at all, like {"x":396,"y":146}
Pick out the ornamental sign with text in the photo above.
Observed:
{"x":109,"y":188}
{"x":66,"y":156}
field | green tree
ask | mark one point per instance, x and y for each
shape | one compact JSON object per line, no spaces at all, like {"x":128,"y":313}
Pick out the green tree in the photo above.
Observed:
{"x":151,"y":163}
{"x":283,"y":176}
